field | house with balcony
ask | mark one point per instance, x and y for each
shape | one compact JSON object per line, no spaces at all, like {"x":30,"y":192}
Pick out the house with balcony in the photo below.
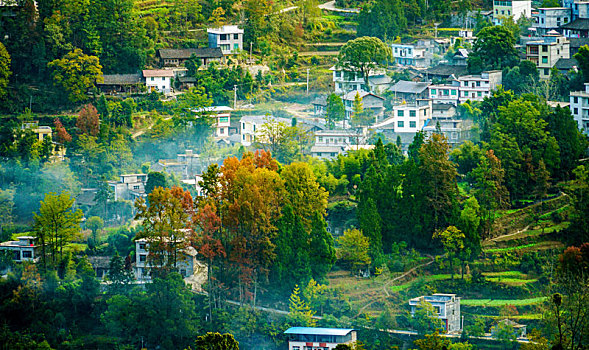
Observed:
{"x":547,"y":19}
{"x":25,"y":248}
{"x":444,"y":93}
{"x":447,"y":308}
{"x":506,"y":8}
{"x":477,"y":87}
{"x":579,"y":105}
{"x":345,"y":81}
{"x":456,"y":131}
{"x":228,"y":38}
{"x":411,"y":55}
{"x":129,"y":187}
{"x":330,"y":143}
{"x":547,"y":51}
{"x":311,"y":338}
{"x":192,"y":271}
{"x":159,"y":80}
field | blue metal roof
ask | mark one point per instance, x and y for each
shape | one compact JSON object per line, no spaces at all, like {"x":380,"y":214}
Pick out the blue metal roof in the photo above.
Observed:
{"x":318,"y":331}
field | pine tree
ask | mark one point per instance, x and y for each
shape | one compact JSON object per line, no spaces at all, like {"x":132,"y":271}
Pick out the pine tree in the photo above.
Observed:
{"x":321,"y":248}
{"x":299,"y":312}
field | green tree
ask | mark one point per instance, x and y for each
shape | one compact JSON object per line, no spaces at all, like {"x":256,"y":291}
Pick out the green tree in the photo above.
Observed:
{"x":425,"y":319}
{"x":360,"y":117}
{"x":582,"y":57}
{"x":493,"y":49}
{"x":284,"y":142}
{"x":453,"y":241}
{"x":469,"y":223}
{"x":76,"y":73}
{"x":154,"y":180}
{"x":5,"y":72}
{"x":304,"y":193}
{"x":118,"y":274}
{"x":56,"y":225}
{"x":385,"y":19}
{"x":299,"y":312}
{"x":505,"y":333}
{"x":216,"y":341}
{"x":6,"y":208}
{"x":335,"y":110}
{"x":95,"y":224}
{"x":353,"y":250}
{"x":322,"y":253}
{"x":364,"y":55}
{"x":433,"y":342}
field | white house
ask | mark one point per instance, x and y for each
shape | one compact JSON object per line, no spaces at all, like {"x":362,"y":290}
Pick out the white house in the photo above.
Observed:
{"x":444,"y":93}
{"x":158,"y":80}
{"x":447,"y":308}
{"x":330,"y":143}
{"x":193,"y":271}
{"x":249,"y":126}
{"x":507,"y":8}
{"x":411,"y":117}
{"x":228,"y":38}
{"x":477,"y":87}
{"x":310,"y":338}
{"x":345,"y":81}
{"x":24,"y":249}
{"x":411,"y":55}
{"x":129,"y":187}
{"x":580,"y":108}
{"x":222,"y":115}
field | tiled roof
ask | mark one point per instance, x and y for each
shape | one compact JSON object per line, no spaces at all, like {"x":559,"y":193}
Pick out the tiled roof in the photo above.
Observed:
{"x":566,"y":64}
{"x":448,"y":70}
{"x":157,"y":73}
{"x":410,"y":87}
{"x":577,"y":24}
{"x":121,"y":79}
{"x":205,"y":52}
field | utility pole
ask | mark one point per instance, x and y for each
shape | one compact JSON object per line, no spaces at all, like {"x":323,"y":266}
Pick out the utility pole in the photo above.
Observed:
{"x":251,"y":44}
{"x":234,"y":96}
{"x":307,"y":81}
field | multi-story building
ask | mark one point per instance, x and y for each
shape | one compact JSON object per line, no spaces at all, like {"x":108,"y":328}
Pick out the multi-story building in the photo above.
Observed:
{"x":547,"y":51}
{"x":506,"y":8}
{"x":330,"y":143}
{"x":310,"y":338}
{"x":193,"y":271}
{"x":477,"y":87}
{"x":456,"y":131}
{"x":345,"y":81}
{"x":550,"y":18}
{"x":411,"y":55}
{"x":370,"y":102}
{"x":222,"y":115}
{"x":444,"y":93}
{"x":158,"y":80}
{"x":411,"y":117}
{"x":447,"y":308}
{"x":129,"y":187}
{"x":228,"y":38}
{"x":249,"y":128}
{"x":580,"y":108}
{"x":579,"y":8}
{"x":23,"y":249}
{"x":409,"y":90}
{"x":579,"y":26}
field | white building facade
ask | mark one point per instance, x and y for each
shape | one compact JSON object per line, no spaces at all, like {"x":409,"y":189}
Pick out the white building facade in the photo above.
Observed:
{"x":503,"y":9}
{"x":159,"y":80}
{"x":447,"y":308}
{"x":228,"y":38}
{"x":477,"y":87}
{"x":579,"y":105}
{"x":310,"y":338}
{"x":551,"y":18}
{"x":23,"y":249}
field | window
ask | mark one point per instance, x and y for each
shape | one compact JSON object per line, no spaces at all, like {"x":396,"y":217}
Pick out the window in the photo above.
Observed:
{"x":136,"y":187}
{"x":27,"y":254}
{"x":424,"y":112}
{"x":163,"y":88}
{"x":222,"y":131}
{"x":466,"y":83}
{"x":479,"y":94}
{"x":453,"y":92}
{"x":544,"y":59}
{"x":478,"y":83}
{"x":454,"y":135}
{"x":576,"y":100}
{"x":544,"y":48}
{"x":225,"y":47}
{"x":142,"y":246}
{"x":152,"y":78}
{"x":223,"y":119}
{"x":401,"y":124}
{"x":236,"y":36}
{"x":400,"y":113}
{"x":546,"y":71}
{"x":142,"y":257}
{"x":223,"y":36}
{"x":235,"y":46}
{"x":575,"y":111}
{"x":412,"y":113}
{"x":412,"y":124}
{"x":465,"y":93}
{"x":333,"y":154}
{"x":433,"y":91}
